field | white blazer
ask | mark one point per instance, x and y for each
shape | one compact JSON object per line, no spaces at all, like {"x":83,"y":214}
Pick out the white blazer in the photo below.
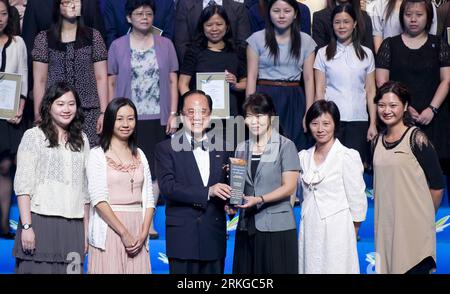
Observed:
{"x":98,"y":192}
{"x":336,"y":184}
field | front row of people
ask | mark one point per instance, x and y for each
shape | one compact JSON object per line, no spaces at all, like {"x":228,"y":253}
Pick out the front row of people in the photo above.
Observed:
{"x":75,"y":201}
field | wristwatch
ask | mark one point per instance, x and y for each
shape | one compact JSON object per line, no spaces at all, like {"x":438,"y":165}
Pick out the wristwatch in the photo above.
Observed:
{"x":26,"y":226}
{"x":434,"y":109}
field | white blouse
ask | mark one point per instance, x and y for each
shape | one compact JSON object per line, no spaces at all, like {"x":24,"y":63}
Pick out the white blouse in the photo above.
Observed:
{"x":346,"y":80}
{"x":54,"y":178}
{"x":337,"y":184}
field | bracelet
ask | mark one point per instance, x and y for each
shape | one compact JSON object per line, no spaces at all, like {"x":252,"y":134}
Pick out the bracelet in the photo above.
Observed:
{"x":434,"y":109}
{"x":102,"y":112}
{"x":173,"y":113}
{"x":262,"y":199}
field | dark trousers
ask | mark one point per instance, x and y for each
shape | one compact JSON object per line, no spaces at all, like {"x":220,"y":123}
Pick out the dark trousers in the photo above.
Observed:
{"x":187,"y":266}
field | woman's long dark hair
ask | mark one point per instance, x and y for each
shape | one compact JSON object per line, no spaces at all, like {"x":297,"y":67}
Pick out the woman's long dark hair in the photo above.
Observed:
{"x":74,"y":129}
{"x":56,"y":26}
{"x":271,"y":41}
{"x":356,"y":36}
{"x":389,"y":9}
{"x":201,"y":40}
{"x":331,"y":4}
{"x":109,"y":121}
{"x":9,"y":28}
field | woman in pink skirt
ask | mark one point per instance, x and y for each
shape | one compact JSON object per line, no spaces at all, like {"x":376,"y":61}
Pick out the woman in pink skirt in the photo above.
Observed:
{"x":122,"y":203}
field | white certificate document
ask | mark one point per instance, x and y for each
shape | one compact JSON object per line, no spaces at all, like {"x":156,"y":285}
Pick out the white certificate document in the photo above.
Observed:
{"x":215,"y":89}
{"x":214,"y":85}
{"x":7,"y":94}
{"x":10,"y":85}
{"x":448,"y":35}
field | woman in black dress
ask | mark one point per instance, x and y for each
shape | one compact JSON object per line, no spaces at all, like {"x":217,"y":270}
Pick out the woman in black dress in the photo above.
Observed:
{"x":422,"y":62}
{"x":214,"y":51}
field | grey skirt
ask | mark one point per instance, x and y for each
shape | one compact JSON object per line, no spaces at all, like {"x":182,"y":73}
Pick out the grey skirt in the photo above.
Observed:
{"x":59,"y":246}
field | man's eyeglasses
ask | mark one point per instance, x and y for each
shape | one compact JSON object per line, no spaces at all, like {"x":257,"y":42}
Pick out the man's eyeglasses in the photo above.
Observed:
{"x":143,"y":14}
{"x":193,"y":112}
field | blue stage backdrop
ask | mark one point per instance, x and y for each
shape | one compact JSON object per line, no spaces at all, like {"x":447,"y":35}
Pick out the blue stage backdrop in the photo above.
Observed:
{"x":365,"y":245}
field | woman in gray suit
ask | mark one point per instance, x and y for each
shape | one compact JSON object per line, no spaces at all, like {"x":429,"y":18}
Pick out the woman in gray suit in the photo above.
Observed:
{"x":266,"y":237}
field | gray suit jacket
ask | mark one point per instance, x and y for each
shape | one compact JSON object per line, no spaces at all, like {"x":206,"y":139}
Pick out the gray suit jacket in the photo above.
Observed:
{"x":280,"y":155}
{"x":188,"y":14}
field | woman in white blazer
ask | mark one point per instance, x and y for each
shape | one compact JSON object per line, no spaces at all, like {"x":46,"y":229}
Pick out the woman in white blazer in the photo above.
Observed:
{"x":334,"y":202}
{"x":120,"y":190}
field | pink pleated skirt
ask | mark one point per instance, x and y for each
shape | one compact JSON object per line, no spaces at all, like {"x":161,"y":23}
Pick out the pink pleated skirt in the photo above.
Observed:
{"x":115,"y":260}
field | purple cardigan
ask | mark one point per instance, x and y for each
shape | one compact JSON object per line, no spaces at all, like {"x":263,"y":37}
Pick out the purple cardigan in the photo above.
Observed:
{"x":119,"y":63}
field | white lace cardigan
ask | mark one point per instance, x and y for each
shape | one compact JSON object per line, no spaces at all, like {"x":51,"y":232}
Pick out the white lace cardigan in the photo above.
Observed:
{"x":54,"y":178}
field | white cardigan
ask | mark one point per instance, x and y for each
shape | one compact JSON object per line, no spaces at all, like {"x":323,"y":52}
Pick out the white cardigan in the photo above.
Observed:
{"x":337,"y":184}
{"x":98,"y":192}
{"x":16,"y":61}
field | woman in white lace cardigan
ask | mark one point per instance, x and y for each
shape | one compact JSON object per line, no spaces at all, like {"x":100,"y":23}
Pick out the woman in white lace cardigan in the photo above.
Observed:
{"x":51,"y":187}
{"x":334,"y":202}
{"x":122,"y":202}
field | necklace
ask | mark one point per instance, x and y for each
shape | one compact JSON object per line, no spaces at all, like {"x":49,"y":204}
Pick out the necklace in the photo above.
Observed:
{"x":128,"y":172}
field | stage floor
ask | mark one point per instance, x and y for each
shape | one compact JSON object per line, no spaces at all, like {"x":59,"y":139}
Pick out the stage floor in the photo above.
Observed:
{"x":365,"y":245}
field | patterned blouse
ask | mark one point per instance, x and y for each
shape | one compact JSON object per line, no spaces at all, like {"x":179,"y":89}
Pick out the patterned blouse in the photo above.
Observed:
{"x":145,"y":81}
{"x":73,"y":62}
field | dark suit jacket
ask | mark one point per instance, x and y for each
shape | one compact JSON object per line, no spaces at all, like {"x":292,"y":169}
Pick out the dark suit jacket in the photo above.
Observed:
{"x":257,"y":21}
{"x":187,"y":16}
{"x":116,"y":24}
{"x":195,"y":227}
{"x":322,"y":29}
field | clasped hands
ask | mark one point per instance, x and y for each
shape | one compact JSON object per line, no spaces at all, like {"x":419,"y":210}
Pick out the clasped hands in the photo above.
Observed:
{"x":133,"y":245}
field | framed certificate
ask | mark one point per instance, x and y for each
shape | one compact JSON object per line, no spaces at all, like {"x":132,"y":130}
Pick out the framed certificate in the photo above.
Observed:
{"x":214,"y":84}
{"x":10,"y":86}
{"x":448,"y":35}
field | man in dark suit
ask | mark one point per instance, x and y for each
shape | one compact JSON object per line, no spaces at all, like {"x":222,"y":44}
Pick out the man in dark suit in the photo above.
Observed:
{"x":116,"y":24}
{"x":191,"y":176}
{"x":187,"y":16}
